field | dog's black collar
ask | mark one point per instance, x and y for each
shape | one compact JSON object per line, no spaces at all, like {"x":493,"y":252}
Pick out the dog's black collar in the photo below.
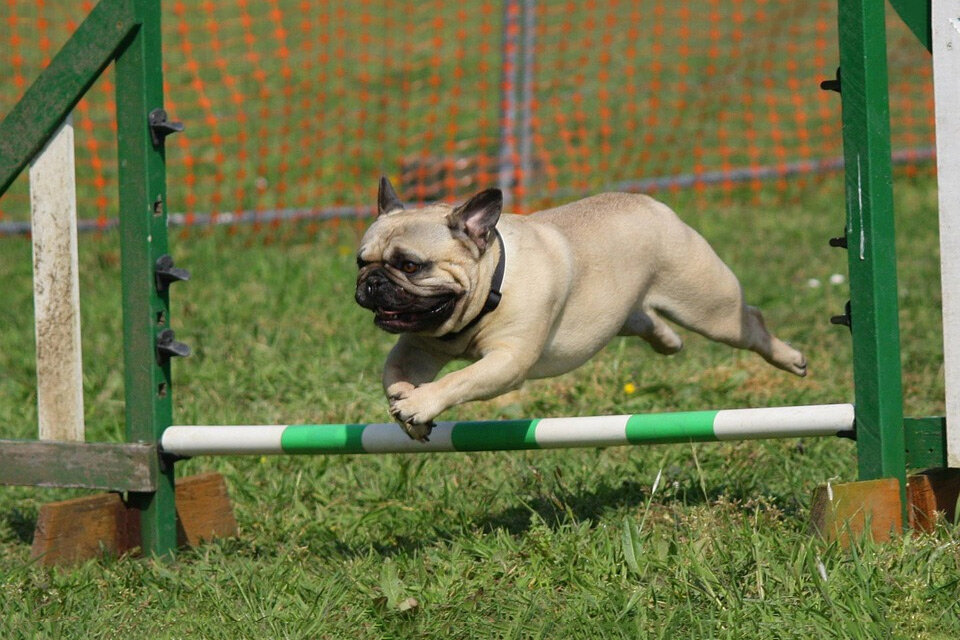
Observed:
{"x":493,"y":298}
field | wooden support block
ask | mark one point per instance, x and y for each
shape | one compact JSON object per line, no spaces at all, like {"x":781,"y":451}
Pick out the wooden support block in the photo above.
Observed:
{"x":936,"y":490}
{"x":204,"y":511}
{"x":75,"y":530}
{"x":853,"y":509}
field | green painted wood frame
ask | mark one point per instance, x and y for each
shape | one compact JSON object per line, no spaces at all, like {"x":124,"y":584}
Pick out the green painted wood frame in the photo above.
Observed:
{"x":31,"y":123}
{"x":870,"y":241}
{"x":916,"y":15}
{"x":143,"y":233}
{"x":126,"y":32}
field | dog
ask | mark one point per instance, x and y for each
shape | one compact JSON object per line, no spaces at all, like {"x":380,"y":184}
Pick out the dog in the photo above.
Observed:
{"x":534,"y":296}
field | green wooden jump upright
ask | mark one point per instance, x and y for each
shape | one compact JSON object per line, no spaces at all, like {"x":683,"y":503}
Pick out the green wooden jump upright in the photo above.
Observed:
{"x":870,"y":239}
{"x":886,"y":442}
{"x":126,"y":32}
{"x":143,"y":231}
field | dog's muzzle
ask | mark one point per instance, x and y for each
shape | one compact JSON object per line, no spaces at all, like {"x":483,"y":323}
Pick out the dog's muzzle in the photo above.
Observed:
{"x":396,"y":309}
{"x":370,"y":289}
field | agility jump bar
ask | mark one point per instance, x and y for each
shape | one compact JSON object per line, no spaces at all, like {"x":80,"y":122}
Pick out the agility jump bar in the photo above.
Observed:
{"x":504,"y":435}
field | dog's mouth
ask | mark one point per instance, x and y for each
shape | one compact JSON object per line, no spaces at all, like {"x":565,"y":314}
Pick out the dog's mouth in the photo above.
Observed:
{"x":431,"y":316}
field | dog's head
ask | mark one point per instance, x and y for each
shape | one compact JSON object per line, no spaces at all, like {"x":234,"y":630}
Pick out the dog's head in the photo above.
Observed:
{"x":421,"y":269}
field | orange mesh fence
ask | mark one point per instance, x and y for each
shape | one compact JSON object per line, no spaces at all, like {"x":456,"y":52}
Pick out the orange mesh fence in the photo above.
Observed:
{"x":294,"y":108}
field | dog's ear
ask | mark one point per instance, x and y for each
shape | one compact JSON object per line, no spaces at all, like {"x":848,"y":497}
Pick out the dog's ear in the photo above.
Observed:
{"x":387,"y":199}
{"x":477,"y":217}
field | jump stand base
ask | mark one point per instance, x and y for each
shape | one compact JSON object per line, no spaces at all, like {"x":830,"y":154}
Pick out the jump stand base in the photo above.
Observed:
{"x":76,"y":530}
{"x":931,"y":492}
{"x":852,"y":510}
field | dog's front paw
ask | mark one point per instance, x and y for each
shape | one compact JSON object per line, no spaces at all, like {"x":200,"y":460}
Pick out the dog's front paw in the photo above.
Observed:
{"x":418,"y":432}
{"x":414,"y":411}
{"x":398,"y":390}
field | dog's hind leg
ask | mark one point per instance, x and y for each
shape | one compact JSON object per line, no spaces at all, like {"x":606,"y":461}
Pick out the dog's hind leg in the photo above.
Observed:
{"x":651,"y":327}
{"x":756,"y":337}
{"x":714,"y":307}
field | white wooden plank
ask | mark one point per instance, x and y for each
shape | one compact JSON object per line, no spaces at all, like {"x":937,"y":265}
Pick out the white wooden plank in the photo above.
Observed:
{"x":56,"y":289}
{"x":946,"y":79}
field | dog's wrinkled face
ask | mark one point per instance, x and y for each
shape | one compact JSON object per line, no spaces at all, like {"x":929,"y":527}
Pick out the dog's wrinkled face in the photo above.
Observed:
{"x":409,"y":288}
{"x":419,"y":268}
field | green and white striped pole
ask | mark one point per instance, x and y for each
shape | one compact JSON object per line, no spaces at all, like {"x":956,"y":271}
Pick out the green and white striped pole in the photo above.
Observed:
{"x":501,"y":435}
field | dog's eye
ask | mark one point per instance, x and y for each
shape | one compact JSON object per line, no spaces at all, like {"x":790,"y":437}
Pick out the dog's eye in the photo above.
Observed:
{"x":361,"y":263}
{"x":409,"y":267}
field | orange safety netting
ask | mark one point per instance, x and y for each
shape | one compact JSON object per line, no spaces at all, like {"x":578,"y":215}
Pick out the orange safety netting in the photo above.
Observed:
{"x":294,"y":108}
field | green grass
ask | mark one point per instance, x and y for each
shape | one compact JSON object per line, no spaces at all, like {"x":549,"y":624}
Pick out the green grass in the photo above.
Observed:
{"x":509,"y":545}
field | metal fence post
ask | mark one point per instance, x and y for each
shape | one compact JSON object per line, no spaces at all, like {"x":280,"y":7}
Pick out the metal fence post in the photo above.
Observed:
{"x":527,"y":91}
{"x":510,"y":48}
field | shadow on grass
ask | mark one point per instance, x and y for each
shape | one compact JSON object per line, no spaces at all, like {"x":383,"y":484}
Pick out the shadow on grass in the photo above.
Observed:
{"x":559,"y":508}
{"x":562,"y":508}
{"x":21,"y":524}
{"x":556,"y":508}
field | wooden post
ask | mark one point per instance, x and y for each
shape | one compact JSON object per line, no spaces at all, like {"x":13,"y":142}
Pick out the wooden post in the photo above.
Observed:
{"x":56,"y":289}
{"x":871,"y":241}
{"x":143,"y":240}
{"x":946,"y":85}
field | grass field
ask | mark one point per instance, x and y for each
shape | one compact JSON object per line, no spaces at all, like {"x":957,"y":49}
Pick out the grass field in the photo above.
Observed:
{"x":510,"y":545}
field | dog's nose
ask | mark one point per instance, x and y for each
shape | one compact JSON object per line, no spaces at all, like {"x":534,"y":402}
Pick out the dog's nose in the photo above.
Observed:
{"x":369,"y":289}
